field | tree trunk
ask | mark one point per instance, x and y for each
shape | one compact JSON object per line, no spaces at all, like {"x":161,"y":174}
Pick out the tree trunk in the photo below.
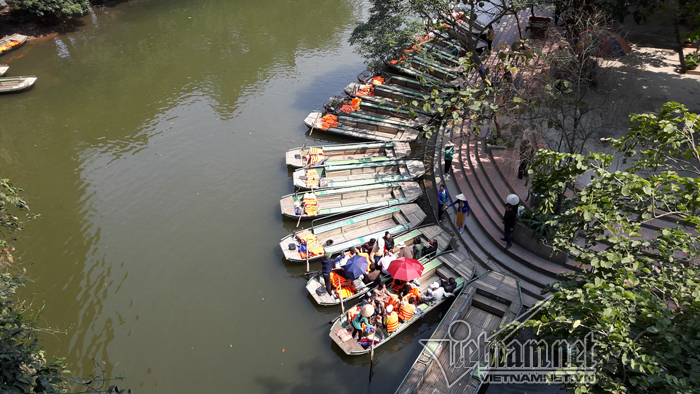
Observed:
{"x":520,"y":29}
{"x":679,"y":46}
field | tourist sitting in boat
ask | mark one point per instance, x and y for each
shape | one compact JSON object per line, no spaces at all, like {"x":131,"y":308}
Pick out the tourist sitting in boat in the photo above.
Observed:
{"x":391,"y":322}
{"x":361,"y":321}
{"x":407,"y":310}
{"x":450,"y":285}
{"x":298,"y":208}
{"x":415,"y":290}
{"x":372,"y":278}
{"x":418,"y":248}
{"x":382,"y":295}
{"x":368,"y":247}
{"x":404,"y":291}
{"x":439,"y":292}
{"x":346,"y":256}
{"x":404,"y":251}
{"x":385,"y":262}
{"x":431,"y":248}
{"x":378,"y":250}
{"x":397,"y":284}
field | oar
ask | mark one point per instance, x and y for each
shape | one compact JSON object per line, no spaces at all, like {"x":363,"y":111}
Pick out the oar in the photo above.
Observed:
{"x":314,"y":124}
{"x":306,"y":274}
{"x":371,"y":357}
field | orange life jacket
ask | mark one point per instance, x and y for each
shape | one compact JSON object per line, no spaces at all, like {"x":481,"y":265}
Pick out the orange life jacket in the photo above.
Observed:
{"x":406,"y":312}
{"x":396,"y":285}
{"x":392,"y":322}
{"x":415,"y":293}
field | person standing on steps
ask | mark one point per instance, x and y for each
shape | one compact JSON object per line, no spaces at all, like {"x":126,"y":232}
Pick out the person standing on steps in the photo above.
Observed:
{"x":462,"y":211}
{"x":490,"y":35}
{"x":443,"y":198}
{"x":449,"y":153}
{"x":509,"y":218}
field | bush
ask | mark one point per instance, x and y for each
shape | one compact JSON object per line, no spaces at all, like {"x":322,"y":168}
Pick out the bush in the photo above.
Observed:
{"x":52,"y":8}
{"x":692,"y":60}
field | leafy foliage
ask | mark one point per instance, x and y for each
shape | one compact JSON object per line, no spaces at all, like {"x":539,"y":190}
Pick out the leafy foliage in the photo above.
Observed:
{"x":640,"y":294}
{"x":44,"y":8}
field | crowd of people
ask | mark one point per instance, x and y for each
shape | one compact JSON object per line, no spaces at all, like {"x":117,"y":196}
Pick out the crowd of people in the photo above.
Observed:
{"x":386,"y":308}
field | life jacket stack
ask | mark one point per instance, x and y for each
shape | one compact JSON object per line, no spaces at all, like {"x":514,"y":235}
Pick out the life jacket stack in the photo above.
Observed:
{"x":355,"y":104}
{"x":313,"y":247}
{"x":377,"y":80}
{"x":315,"y":155}
{"x":341,"y":284}
{"x":365,"y":90}
{"x":312,"y":178}
{"x":329,"y":121}
{"x":394,"y":62}
{"x":9,"y":46}
{"x":310,"y":204}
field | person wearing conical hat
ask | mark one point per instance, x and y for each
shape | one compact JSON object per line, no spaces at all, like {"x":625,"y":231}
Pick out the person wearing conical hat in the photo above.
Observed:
{"x":449,"y":153}
{"x":463,"y":211}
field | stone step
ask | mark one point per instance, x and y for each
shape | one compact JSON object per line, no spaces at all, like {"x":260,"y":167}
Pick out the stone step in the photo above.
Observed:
{"x":489,"y":218}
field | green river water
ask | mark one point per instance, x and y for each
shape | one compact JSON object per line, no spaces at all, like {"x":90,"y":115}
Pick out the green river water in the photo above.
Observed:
{"x":153,"y":147}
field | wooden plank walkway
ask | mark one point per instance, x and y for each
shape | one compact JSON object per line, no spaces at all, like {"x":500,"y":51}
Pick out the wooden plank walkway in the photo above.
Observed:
{"x":487,"y":303}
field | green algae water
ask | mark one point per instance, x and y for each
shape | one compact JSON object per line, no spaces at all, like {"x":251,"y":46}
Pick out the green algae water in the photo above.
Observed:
{"x":153,"y":147}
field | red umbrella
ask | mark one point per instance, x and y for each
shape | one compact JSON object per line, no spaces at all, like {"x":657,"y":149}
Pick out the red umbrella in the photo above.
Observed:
{"x":405,"y":269}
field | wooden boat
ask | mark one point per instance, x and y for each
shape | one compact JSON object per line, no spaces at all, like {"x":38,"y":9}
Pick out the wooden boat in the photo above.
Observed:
{"x":16,"y":84}
{"x":12,"y":42}
{"x":389,"y":94}
{"x":411,"y":82}
{"x":344,"y":105}
{"x":335,"y":176}
{"x":348,"y":153}
{"x":434,"y":270}
{"x":364,"y":126}
{"x":3,"y":70}
{"x":327,"y":300}
{"x":416,"y":63}
{"x":351,"y":199}
{"x":352,"y":231}
{"x":486,"y":304}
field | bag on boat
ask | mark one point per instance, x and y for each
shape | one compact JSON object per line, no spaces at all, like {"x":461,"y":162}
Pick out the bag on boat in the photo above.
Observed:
{"x":320,"y":291}
{"x":292,"y":246}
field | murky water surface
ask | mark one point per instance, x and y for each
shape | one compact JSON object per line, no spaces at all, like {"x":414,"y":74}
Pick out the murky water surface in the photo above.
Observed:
{"x":152,"y":145}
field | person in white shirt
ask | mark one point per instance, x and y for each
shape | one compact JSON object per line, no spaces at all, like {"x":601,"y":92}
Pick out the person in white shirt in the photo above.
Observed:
{"x":439,"y":292}
{"x":344,"y":260}
{"x":385,"y":262}
{"x":378,"y":250}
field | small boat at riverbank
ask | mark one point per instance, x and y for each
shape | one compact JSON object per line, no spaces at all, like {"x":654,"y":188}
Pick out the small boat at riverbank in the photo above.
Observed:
{"x":414,"y":64}
{"x":363,"y":126}
{"x":3,"y":69}
{"x":389,"y":94}
{"x":349,"y":199}
{"x":342,"y":105}
{"x":388,"y":78}
{"x":12,"y":42}
{"x":486,"y":304}
{"x":349,"y":232}
{"x":16,"y":84}
{"x":434,"y":270}
{"x":336,"y":176}
{"x":409,"y":238}
{"x":364,"y":152}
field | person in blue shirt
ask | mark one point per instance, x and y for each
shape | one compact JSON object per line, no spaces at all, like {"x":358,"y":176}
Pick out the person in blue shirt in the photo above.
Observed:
{"x":462,"y":211}
{"x":327,"y":264}
{"x":443,"y":198}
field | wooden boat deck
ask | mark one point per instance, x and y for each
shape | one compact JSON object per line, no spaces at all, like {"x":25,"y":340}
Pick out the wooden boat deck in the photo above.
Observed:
{"x":336,"y":176}
{"x":3,"y":70}
{"x":22,"y":39}
{"x":357,"y":230}
{"x":346,"y":153}
{"x":487,"y":303}
{"x":369,"y":127}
